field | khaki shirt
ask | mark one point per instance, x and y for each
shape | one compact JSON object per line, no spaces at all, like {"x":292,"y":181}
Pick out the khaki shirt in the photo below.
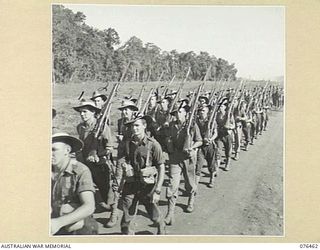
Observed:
{"x":66,"y":186}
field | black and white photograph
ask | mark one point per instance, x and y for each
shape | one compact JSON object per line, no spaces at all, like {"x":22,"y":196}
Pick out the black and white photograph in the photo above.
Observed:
{"x":167,"y":120}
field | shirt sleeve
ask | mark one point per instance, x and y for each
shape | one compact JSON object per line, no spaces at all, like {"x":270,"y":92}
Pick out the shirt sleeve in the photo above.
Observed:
{"x":197,"y":135}
{"x":85,"y":182}
{"x":157,"y":154}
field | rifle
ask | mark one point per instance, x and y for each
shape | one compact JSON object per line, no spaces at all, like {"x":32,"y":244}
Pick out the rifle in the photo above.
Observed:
{"x":188,"y":139}
{"x":143,"y":110}
{"x":159,"y":82}
{"x":107,"y":106}
{"x":164,"y":93}
{"x":231,"y":105}
{"x":139,"y":101}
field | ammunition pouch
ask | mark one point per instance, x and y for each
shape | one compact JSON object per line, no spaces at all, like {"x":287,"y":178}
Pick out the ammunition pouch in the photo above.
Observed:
{"x":128,"y":172}
{"x":148,"y":175}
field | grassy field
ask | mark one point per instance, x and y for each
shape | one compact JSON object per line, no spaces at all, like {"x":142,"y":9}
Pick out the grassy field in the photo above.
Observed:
{"x":65,"y":96}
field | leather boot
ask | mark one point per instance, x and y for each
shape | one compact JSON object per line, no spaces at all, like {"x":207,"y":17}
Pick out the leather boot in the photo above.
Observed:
{"x":161,"y":228}
{"x":190,"y":207}
{"x":227,"y":166}
{"x":236,"y":156}
{"x":212,"y":178}
{"x":169,"y":219}
{"x":113,"y":217}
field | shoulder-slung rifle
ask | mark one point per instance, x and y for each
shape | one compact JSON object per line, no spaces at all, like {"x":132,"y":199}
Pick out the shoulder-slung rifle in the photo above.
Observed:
{"x":188,"y":139}
{"x":107,"y":106}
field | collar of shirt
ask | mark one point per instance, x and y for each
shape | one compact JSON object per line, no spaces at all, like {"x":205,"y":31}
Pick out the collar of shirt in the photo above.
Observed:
{"x":143,"y":142}
{"x":89,"y":126}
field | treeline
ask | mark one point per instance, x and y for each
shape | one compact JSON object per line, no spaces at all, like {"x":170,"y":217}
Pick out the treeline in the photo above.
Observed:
{"x":83,"y":53}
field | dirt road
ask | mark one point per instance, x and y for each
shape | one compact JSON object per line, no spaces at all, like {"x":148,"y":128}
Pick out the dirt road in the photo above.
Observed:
{"x":247,"y":200}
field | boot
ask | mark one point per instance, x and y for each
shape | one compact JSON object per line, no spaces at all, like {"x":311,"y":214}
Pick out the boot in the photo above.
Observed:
{"x":161,"y":228}
{"x":190,"y":207}
{"x":169,"y":219}
{"x":227,"y":166}
{"x":114,"y":216}
{"x":212,"y":178}
{"x":236,"y":156}
{"x":127,"y":231}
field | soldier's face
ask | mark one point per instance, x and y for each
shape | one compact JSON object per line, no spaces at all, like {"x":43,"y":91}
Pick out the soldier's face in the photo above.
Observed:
{"x":203,"y":112}
{"x":202,"y":101}
{"x":181,"y":115}
{"x":127,"y":113}
{"x":99,"y":102}
{"x":86,"y":114}
{"x":164,"y":104}
{"x":138,"y":128}
{"x":60,"y":153}
{"x":153,"y":101}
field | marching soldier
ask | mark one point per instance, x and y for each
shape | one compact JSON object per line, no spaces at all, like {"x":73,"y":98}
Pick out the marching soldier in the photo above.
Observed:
{"x":181,"y":160}
{"x":152,"y":106}
{"x":97,"y":154}
{"x":162,"y":121}
{"x":99,"y":99}
{"x":208,"y":150}
{"x":127,"y":109}
{"x":72,"y":200}
{"x":226,"y":124}
{"x":141,"y":170}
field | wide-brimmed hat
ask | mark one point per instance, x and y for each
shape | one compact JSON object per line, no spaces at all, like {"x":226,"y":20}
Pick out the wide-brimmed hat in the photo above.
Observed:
{"x":96,"y":94}
{"x":185,"y":107}
{"x":163,"y":98}
{"x":201,"y":107}
{"x":86,"y":104}
{"x":224,"y":101}
{"x":172,"y":92}
{"x":75,"y":144}
{"x":190,"y":93}
{"x":128,"y":104}
{"x":204,"y":97}
{"x":184,"y":100}
{"x":138,"y":116}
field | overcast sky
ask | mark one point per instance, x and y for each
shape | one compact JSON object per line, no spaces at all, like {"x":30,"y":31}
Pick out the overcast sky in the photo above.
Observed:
{"x":250,"y":37}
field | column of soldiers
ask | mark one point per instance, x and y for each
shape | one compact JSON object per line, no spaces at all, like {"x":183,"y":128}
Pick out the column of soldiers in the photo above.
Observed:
{"x":169,"y":136}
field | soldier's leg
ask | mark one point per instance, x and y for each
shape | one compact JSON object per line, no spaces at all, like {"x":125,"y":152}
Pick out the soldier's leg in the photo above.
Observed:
{"x":246,"y":133}
{"x":211,"y":162}
{"x":130,"y":204}
{"x":238,"y":136}
{"x":172,"y":191}
{"x":227,"y":140}
{"x":199,"y":165}
{"x":189,"y":173}
{"x":218,"y":151}
{"x":101,"y":179}
{"x":252,"y":131}
{"x":153,"y":209}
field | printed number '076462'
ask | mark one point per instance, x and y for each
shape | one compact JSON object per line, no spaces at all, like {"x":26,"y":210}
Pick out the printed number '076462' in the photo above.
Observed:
{"x":308,"y":245}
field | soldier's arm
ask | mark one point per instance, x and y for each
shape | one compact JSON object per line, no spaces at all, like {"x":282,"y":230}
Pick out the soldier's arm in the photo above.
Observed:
{"x":197,"y":139}
{"x":158,"y":158}
{"x":86,"y":209}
